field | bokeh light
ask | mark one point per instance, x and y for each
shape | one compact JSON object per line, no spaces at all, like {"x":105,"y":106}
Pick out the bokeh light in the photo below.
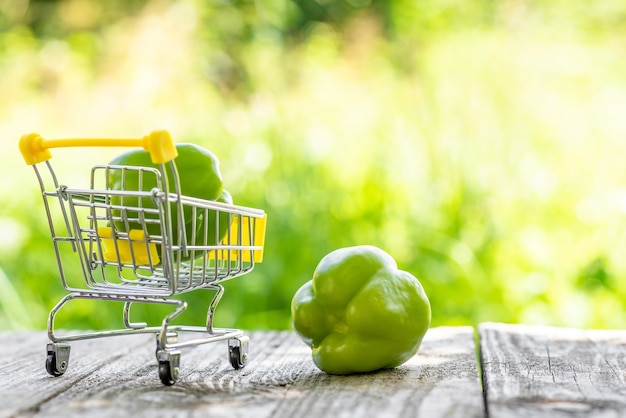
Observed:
{"x":479,"y":144}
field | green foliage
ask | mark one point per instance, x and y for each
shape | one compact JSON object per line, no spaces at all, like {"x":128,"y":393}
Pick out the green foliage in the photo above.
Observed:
{"x":478,"y":143}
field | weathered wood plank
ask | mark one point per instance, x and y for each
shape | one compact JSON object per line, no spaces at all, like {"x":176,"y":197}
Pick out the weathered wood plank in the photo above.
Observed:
{"x":280,"y":380}
{"x":24,"y":383}
{"x":553,"y":372}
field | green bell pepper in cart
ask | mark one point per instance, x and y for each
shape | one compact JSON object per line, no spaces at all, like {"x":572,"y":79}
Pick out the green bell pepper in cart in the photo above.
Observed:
{"x":360,"y":313}
{"x":199,"y":176}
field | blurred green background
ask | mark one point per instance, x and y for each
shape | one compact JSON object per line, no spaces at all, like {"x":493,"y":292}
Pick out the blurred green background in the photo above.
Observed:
{"x":481,"y":144}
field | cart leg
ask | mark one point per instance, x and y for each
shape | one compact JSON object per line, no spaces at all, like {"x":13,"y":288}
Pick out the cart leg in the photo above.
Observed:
{"x":54,"y":311}
{"x":164,"y":334}
{"x":211,"y":312}
{"x":127,"y":323}
{"x":57,"y":359}
{"x":170,"y":338}
{"x":238,"y":351}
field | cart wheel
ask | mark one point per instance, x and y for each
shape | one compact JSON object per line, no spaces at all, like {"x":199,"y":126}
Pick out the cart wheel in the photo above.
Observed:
{"x":57,"y":359}
{"x":169,"y":366}
{"x":165,"y":373}
{"x":238,"y":351}
{"x":51,"y":368}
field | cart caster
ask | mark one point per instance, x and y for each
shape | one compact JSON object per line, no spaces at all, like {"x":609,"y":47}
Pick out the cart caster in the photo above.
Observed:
{"x":57,"y":359}
{"x":169,"y":366}
{"x":238,"y":351}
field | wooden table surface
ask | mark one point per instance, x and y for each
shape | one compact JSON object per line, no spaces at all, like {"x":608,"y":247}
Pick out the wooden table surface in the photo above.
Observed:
{"x":526,"y":371}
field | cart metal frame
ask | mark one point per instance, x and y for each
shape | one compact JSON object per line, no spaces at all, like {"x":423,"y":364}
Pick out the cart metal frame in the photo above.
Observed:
{"x":124,"y":243}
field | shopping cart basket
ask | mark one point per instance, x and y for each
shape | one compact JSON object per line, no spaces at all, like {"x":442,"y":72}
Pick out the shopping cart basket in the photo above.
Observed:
{"x":123,"y":242}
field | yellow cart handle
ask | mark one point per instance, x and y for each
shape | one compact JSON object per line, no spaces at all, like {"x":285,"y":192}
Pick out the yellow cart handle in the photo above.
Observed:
{"x":159,"y":144}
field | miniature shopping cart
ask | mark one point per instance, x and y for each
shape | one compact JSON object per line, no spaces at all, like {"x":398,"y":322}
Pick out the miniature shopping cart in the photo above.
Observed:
{"x":145,"y":245}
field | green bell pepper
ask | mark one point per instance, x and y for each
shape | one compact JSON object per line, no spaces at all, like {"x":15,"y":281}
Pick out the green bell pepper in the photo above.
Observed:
{"x":199,"y":177}
{"x":360,"y":313}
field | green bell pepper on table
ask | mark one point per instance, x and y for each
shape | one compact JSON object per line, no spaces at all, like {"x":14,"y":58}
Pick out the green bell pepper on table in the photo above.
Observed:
{"x":360,"y":313}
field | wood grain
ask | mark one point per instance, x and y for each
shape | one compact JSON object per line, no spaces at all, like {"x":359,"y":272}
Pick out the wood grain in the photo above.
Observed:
{"x":110,"y":378}
{"x":24,"y":383}
{"x":553,"y":372}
